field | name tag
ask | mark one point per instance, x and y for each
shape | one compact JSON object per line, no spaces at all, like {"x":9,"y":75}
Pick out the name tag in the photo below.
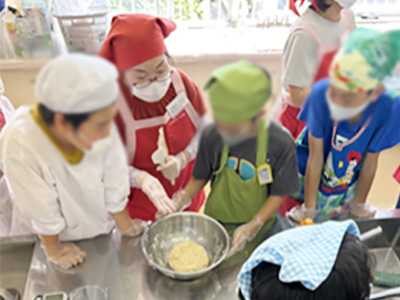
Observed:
{"x":177,"y":105}
{"x":340,"y":140}
{"x":264,"y":174}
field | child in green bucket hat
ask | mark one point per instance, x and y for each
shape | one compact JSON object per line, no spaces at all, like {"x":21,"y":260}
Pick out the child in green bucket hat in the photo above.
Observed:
{"x":249,"y":160}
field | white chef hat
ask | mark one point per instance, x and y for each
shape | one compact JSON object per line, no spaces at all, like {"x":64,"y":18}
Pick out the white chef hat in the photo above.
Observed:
{"x":77,"y":83}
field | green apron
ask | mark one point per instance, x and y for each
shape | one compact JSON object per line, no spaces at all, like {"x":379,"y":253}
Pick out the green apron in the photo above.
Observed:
{"x":232,"y":199}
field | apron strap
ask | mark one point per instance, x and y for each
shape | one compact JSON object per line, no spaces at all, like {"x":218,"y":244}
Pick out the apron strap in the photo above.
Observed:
{"x":262,"y":143}
{"x":346,"y":13}
{"x":310,"y":29}
{"x":179,"y":86}
{"x":224,"y":159}
{"x":350,"y":141}
{"x":262,"y":148}
{"x":130,"y":130}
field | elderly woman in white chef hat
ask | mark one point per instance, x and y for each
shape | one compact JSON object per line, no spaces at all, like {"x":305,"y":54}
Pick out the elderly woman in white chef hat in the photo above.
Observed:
{"x":64,"y":160}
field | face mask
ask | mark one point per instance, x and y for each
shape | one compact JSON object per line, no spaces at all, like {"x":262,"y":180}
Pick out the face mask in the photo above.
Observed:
{"x":341,"y":113}
{"x":97,"y":146}
{"x":153,"y":92}
{"x":346,"y":3}
{"x":234,"y":139}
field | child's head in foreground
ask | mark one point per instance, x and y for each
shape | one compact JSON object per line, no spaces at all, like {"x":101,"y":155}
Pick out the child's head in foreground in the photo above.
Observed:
{"x":306,"y":265}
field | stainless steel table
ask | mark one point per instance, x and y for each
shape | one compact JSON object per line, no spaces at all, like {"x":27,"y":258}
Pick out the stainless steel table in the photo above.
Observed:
{"x":119,"y":265}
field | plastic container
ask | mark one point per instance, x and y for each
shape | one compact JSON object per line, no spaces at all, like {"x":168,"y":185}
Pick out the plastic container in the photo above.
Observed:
{"x":82,"y":23}
{"x":30,"y":32}
{"x":83,"y":33}
{"x":89,"y":292}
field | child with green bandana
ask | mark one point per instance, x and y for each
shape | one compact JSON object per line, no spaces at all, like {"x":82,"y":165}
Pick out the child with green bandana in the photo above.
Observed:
{"x":346,"y":117}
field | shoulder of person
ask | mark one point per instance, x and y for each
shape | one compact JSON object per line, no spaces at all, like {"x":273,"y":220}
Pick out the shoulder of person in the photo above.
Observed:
{"x":301,"y":36}
{"x":388,"y":103}
{"x":191,"y":88}
{"x":279,"y":136}
{"x":318,"y":92}
{"x":210,"y":133}
{"x":187,"y":81}
{"x":20,"y":124}
{"x":19,"y":136}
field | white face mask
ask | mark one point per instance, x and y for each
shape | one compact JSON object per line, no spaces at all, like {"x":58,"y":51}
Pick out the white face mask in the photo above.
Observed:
{"x":346,"y":3}
{"x":96,"y":147}
{"x":99,"y":145}
{"x":341,"y":113}
{"x":153,"y":92}
{"x":234,"y":139}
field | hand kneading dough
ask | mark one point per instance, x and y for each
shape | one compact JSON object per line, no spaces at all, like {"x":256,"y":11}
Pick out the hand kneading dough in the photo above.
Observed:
{"x":188,"y":256}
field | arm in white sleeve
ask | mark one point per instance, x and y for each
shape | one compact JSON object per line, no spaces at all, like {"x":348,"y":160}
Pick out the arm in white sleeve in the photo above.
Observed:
{"x":133,"y":175}
{"x":116,"y":175}
{"x":35,"y":196}
{"x":194,"y":143}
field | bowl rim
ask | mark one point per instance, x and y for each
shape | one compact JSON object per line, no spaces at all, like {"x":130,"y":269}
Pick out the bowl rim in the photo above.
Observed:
{"x":179,"y":274}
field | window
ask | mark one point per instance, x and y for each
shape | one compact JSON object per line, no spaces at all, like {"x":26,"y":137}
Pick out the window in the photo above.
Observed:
{"x":377,"y":8}
{"x":201,"y":13}
{"x":206,"y":11}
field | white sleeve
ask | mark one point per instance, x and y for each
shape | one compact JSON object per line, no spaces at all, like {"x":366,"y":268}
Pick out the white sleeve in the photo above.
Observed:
{"x":133,"y":173}
{"x":194,"y":143}
{"x":116,"y":175}
{"x":34,"y":194}
{"x":300,"y":59}
{"x":6,"y":107}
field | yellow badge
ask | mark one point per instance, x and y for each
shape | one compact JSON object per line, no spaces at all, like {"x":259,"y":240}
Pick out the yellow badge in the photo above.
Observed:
{"x":340,"y":164}
{"x":264,"y":174}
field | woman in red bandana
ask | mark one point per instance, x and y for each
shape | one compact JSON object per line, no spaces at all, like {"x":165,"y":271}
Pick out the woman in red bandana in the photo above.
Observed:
{"x":160,"y":114}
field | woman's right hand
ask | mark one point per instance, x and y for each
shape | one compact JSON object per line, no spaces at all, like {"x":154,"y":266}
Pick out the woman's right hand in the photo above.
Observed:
{"x":152,"y":187}
{"x":65,"y":255}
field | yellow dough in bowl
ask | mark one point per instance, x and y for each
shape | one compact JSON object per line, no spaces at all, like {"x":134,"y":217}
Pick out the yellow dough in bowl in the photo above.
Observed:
{"x":188,"y":256}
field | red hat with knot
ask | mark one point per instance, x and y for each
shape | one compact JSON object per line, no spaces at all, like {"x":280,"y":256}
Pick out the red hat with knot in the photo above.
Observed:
{"x":134,"y":39}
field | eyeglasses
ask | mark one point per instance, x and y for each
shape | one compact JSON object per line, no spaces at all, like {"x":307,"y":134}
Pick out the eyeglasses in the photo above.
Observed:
{"x":158,"y":79}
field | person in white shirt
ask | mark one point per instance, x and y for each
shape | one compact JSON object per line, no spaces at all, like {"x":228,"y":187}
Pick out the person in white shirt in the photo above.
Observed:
{"x":64,"y":159}
{"x":6,"y":112}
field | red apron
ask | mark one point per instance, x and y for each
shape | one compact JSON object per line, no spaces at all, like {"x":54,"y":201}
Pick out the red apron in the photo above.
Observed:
{"x":326,"y":53}
{"x":141,"y":141}
{"x":396,"y":174}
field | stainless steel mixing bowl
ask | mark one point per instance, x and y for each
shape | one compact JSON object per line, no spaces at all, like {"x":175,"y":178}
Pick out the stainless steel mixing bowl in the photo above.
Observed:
{"x":164,"y":234}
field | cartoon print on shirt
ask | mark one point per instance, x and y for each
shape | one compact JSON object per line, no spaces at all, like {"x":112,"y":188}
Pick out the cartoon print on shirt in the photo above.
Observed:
{"x":242,"y":166}
{"x":329,"y":177}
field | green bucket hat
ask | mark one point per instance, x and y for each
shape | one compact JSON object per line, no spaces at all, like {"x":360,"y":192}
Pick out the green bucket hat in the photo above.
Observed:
{"x":238,"y":91}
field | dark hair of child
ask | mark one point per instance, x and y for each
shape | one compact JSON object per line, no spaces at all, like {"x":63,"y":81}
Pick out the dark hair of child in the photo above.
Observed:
{"x":323,"y":5}
{"x":349,"y":280}
{"x":75,"y":119}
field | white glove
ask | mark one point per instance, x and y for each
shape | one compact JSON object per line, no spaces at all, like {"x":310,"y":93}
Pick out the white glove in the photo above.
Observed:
{"x":65,"y":255}
{"x":300,"y":213}
{"x":245,"y":233}
{"x":363,"y":210}
{"x":137,"y":228}
{"x":156,"y":193}
{"x":174,"y":165}
{"x":181,"y":200}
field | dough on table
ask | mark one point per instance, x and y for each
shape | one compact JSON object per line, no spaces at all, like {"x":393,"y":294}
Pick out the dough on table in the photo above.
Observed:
{"x":188,"y":256}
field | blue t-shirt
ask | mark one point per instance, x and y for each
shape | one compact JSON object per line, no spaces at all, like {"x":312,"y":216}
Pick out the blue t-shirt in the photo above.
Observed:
{"x":391,"y":133}
{"x":342,"y":165}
